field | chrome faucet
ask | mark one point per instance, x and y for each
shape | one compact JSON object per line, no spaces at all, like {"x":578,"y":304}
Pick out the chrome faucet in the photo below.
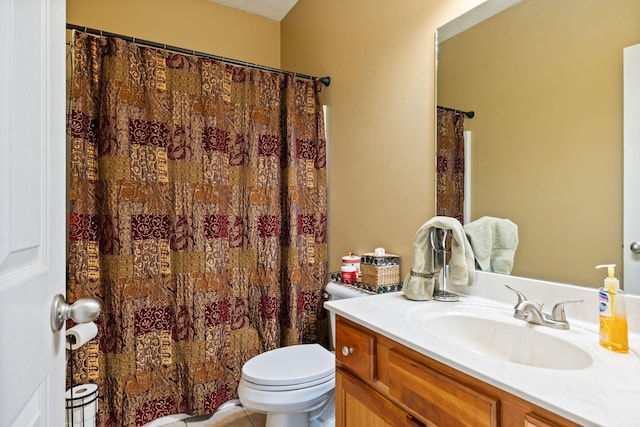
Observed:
{"x":532,"y":313}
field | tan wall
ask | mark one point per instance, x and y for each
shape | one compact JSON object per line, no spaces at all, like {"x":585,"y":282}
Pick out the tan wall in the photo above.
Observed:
{"x":200,"y":25}
{"x":545,"y":80}
{"x":380,"y":56}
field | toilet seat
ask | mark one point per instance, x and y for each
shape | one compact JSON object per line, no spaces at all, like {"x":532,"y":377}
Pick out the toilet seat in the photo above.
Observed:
{"x":290,"y":368}
{"x":289,"y":387}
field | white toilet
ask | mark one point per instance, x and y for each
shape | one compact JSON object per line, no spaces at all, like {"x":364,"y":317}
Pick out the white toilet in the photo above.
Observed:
{"x":295,"y":385}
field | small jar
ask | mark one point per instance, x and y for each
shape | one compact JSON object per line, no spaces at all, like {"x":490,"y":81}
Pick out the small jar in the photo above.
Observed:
{"x":348,"y":274}
{"x":352,"y":260}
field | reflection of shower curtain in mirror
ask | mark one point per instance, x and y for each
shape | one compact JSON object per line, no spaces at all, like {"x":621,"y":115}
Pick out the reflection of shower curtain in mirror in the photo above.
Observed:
{"x":450,"y":165}
{"x":197,"y":219}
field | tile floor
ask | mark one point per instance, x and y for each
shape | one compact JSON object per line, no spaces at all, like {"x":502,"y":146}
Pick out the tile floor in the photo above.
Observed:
{"x":230,"y":416}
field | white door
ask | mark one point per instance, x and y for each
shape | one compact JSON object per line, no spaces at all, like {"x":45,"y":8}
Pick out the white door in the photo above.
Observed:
{"x":631,"y":221}
{"x":32,"y":210}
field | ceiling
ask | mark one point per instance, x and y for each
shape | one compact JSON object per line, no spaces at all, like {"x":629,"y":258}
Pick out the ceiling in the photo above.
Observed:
{"x":473,"y":17}
{"x":272,"y":9}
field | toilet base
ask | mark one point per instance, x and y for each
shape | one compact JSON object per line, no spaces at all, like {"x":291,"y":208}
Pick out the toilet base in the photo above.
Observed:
{"x":321,"y":417}
{"x":298,"y":420}
{"x":287,"y":420}
{"x":324,"y":416}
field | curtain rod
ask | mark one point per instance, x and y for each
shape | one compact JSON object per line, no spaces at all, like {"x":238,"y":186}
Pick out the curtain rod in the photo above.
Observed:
{"x":324,"y":80}
{"x":469,"y":114}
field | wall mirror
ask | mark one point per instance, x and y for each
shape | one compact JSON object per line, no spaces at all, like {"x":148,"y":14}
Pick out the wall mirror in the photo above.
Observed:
{"x":544,"y":78}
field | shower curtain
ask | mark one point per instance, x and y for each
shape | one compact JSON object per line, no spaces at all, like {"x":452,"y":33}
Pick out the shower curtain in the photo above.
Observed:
{"x":197,"y":218}
{"x":450,"y":165}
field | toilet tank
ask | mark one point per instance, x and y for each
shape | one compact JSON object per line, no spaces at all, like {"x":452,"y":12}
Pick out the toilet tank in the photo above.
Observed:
{"x":335,"y":291}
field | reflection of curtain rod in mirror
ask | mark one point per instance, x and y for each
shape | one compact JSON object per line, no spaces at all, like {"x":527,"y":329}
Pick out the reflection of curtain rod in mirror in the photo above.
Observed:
{"x":469,"y":114}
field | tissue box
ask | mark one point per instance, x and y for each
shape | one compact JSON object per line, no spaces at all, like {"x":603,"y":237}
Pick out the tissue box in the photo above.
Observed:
{"x":380,"y":273}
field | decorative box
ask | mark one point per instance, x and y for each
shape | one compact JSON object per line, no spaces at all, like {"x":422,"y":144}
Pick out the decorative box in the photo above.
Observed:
{"x":380,"y":273}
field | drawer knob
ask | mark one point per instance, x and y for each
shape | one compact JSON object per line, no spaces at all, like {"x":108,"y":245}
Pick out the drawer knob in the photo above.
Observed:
{"x":347,"y":350}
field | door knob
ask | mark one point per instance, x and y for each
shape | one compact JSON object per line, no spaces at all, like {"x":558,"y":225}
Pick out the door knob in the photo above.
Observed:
{"x":635,"y":247}
{"x":84,"y":310}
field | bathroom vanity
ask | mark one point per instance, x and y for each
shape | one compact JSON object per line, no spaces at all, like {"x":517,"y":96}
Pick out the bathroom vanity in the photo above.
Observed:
{"x":395,"y":367}
{"x":380,"y":381}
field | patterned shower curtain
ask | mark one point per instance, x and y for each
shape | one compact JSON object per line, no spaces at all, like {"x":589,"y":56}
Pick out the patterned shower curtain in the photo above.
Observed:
{"x":197,"y":218}
{"x":450,"y":165}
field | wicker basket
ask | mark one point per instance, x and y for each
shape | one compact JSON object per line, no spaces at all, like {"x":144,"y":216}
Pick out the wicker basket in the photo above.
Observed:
{"x":380,"y":273}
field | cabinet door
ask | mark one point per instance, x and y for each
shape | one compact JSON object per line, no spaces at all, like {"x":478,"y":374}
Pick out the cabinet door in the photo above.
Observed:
{"x":438,"y":398}
{"x":358,"y":405}
{"x":531,"y":420}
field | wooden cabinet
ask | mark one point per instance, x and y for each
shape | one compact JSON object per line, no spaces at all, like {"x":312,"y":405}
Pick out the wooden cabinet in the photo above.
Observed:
{"x":362,"y":406}
{"x":441,"y":399}
{"x":357,"y":348}
{"x":382,"y":383}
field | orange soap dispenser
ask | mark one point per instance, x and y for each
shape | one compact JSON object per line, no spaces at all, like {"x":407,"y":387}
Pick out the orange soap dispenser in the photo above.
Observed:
{"x":613,"y":316}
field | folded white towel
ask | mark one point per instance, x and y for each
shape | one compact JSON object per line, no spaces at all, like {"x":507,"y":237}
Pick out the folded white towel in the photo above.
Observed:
{"x":494,"y":242}
{"x":419,"y":284}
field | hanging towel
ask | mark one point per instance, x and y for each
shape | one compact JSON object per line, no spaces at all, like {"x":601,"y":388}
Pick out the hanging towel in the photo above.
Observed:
{"x":419,"y":283}
{"x":494,"y":242}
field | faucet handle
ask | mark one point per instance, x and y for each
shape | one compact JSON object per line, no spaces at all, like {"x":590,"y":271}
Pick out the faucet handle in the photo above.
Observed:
{"x":521,"y":297}
{"x":557,"y":314}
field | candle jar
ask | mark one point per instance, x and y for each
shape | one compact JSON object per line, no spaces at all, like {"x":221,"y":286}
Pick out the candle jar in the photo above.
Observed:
{"x":352,"y":260}
{"x":348,"y":274}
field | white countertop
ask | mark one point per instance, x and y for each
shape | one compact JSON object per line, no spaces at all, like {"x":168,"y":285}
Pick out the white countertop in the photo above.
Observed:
{"x":606,"y":393}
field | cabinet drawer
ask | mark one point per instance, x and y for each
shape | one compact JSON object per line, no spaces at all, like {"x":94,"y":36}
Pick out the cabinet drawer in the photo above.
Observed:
{"x":355,"y":349}
{"x":437,"y":398}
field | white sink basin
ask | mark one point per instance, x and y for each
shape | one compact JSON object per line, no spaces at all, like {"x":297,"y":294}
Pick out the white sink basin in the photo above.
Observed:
{"x":495,"y":333}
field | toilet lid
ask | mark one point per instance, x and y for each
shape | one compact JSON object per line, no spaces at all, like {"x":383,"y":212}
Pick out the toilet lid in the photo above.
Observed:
{"x":296,"y":364}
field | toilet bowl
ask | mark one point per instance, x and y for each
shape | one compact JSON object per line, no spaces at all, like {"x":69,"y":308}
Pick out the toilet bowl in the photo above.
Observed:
{"x":294,"y":385}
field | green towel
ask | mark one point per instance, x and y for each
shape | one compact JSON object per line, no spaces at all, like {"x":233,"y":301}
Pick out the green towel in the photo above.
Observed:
{"x":420,"y":283}
{"x":494,"y":242}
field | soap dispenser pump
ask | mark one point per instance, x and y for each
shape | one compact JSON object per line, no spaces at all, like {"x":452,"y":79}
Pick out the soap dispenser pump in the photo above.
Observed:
{"x":613,"y":317}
